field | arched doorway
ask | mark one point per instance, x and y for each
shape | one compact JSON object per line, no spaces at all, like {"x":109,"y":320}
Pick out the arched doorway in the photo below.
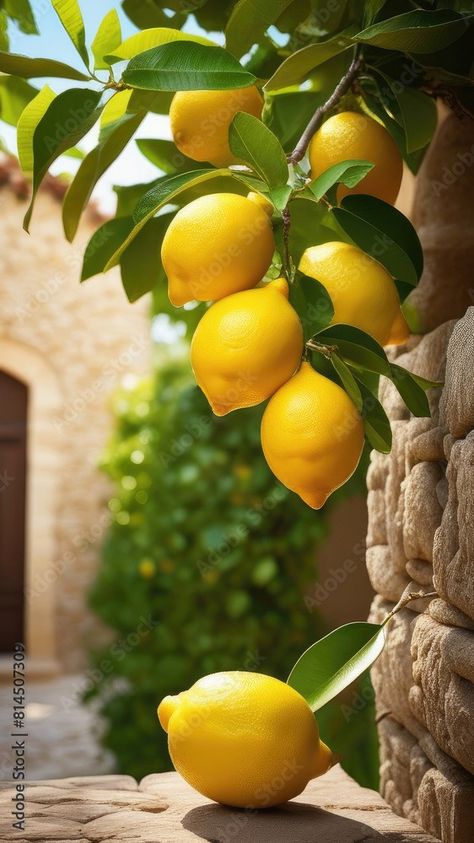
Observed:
{"x":13,"y":428}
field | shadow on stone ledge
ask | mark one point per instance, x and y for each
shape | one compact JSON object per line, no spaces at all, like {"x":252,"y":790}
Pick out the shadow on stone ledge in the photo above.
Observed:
{"x":295,"y":822}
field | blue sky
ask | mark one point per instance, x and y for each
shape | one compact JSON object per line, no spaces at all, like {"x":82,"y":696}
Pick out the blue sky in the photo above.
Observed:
{"x":53,"y":42}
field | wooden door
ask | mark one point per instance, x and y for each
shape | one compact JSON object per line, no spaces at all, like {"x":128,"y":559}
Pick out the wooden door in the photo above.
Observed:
{"x":13,"y":419}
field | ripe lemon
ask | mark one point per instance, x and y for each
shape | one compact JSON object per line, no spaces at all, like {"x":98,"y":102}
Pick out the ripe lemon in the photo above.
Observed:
{"x":312,"y":436}
{"x":244,"y":739}
{"x":350,"y":135}
{"x":246,"y":346}
{"x":217,"y":245}
{"x":200,"y":121}
{"x":362,"y":291}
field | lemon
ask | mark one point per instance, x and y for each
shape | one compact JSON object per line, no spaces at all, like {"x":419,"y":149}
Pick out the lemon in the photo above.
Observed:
{"x":399,"y":332}
{"x":200,"y":121}
{"x":362,"y":291}
{"x":216,"y":245}
{"x":239,"y":355}
{"x":312,"y":436}
{"x":349,"y":135}
{"x":244,"y":739}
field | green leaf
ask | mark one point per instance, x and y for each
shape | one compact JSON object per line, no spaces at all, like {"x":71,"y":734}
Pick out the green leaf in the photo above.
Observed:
{"x":15,"y":94}
{"x":348,"y":380}
{"x":412,"y":389}
{"x":70,"y":15}
{"x":185,"y":66}
{"x":20,"y":11}
{"x":108,"y":37}
{"x":419,"y":116}
{"x":248,"y":22}
{"x":349,"y":173}
{"x":161,"y":194}
{"x":93,"y":167}
{"x":27,"y":122}
{"x":140,"y":263}
{"x":356,"y":347}
{"x":280,"y":195}
{"x":29,"y":68}
{"x":102,"y":245}
{"x":376,"y":424}
{"x":165,"y":155}
{"x":384,"y":233}
{"x":254,"y":144}
{"x":68,"y":118}
{"x":149,"y":38}
{"x":418,"y":31}
{"x":4,"y":40}
{"x":335,"y":661}
{"x":298,"y":65}
{"x":312,"y":303}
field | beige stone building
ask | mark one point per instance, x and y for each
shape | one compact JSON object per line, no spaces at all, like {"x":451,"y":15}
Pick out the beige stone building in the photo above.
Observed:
{"x":64,"y":348}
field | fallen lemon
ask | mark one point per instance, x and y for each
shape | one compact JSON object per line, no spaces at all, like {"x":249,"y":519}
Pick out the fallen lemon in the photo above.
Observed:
{"x":200,"y":121}
{"x":363,"y":293}
{"x":352,"y":136}
{"x":244,"y":739}
{"x":216,"y":245}
{"x":312,"y":435}
{"x":246,"y":346}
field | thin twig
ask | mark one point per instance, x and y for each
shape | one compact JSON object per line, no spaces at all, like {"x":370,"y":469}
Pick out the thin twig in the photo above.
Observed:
{"x":341,"y":88}
{"x":406,"y":598}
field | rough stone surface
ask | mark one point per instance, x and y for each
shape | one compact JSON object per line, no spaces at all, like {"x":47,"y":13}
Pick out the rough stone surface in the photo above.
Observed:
{"x":87,"y":338}
{"x":421,"y":531}
{"x":164,"y":809}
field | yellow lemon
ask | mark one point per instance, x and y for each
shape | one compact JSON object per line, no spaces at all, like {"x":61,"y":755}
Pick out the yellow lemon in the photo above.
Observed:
{"x":244,"y":739}
{"x":217,"y":245}
{"x":200,"y":121}
{"x":399,"y":332}
{"x":362,"y":291}
{"x":350,"y":135}
{"x":312,"y":436}
{"x":246,"y":346}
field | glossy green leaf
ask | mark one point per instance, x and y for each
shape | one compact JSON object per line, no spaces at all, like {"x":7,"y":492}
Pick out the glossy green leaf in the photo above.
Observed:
{"x":29,"y":68}
{"x":149,"y":38}
{"x":298,"y":65}
{"x":376,"y":423}
{"x":348,"y":380}
{"x":128,"y":195}
{"x":102,"y":245}
{"x":70,"y":15}
{"x":356,"y":347}
{"x":157,"y":102}
{"x":15,"y":94}
{"x":93,"y":167}
{"x":348,"y":173}
{"x":254,"y":144}
{"x":335,"y":661}
{"x":280,"y":195}
{"x":413,"y":390}
{"x":27,"y":122}
{"x":312,"y":304}
{"x":419,"y":31}
{"x":165,"y":155}
{"x":108,"y":37}
{"x":419,"y":117}
{"x":161,"y":194}
{"x":185,"y":66}
{"x":140,"y":264}
{"x":384,"y":233}
{"x":249,"y":20}
{"x":67,"y":119}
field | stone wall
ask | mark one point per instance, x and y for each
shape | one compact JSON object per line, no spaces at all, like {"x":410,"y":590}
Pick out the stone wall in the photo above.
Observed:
{"x":421,"y":523}
{"x":73,"y":345}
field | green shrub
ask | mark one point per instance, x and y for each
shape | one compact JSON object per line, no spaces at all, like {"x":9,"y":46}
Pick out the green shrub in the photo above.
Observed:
{"x":205,"y":564}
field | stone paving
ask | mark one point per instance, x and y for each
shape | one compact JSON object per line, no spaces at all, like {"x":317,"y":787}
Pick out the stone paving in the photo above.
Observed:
{"x":63,"y":733}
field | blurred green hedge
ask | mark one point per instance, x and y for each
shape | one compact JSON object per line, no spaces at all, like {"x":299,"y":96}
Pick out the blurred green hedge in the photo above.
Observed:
{"x":205,"y":563}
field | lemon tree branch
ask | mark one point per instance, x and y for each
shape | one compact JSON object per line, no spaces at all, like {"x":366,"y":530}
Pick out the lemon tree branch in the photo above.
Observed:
{"x":341,"y":88}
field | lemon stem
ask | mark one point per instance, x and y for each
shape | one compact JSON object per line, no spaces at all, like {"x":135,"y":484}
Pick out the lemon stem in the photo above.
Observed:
{"x":341,"y":88}
{"x":406,"y":598}
{"x":327,"y":350}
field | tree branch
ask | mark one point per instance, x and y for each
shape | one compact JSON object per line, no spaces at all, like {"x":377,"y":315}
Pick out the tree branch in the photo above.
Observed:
{"x":341,"y":88}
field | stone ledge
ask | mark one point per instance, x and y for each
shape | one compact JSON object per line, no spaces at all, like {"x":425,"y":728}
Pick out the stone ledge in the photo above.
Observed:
{"x":164,"y":809}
